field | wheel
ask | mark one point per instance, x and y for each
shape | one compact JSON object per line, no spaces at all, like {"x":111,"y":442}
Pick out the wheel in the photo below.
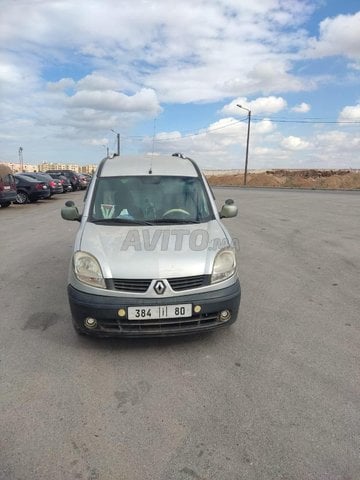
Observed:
{"x":22,"y":198}
{"x":6,"y":204}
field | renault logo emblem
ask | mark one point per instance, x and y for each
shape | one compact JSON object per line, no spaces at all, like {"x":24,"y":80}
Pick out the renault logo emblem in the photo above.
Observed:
{"x":159,"y":287}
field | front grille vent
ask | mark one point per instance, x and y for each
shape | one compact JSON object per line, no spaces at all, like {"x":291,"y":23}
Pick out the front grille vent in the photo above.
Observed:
{"x":141,"y":285}
{"x":187,"y":283}
{"x":131,"y":285}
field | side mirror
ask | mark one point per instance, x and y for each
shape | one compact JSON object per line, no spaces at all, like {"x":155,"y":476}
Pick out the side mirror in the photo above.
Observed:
{"x":228,"y":210}
{"x":70,"y":212}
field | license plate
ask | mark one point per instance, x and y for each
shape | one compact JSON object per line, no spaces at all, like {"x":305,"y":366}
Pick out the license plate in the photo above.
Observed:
{"x":161,"y":311}
{"x":6,"y":187}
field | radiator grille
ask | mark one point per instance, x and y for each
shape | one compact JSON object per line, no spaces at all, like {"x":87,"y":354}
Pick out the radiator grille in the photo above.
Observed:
{"x":186,"y":283}
{"x":131,"y":285}
{"x":141,"y":285}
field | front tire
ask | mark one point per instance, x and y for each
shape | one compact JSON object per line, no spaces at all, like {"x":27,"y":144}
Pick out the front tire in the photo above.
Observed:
{"x":22,"y":198}
{"x":5,"y":204}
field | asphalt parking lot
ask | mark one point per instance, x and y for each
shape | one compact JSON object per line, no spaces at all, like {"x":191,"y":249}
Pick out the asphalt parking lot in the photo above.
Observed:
{"x":274,"y":397}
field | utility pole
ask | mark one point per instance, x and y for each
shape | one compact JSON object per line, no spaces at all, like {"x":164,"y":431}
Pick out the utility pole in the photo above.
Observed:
{"x":21,"y":159}
{"x":247,"y":142}
{"x":118,"y":142}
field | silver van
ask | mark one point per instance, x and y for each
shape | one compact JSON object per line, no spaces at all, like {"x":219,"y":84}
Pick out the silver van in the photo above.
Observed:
{"x":151,"y":257}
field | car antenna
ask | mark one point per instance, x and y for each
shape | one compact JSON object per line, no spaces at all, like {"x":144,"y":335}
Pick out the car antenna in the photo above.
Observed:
{"x":153,"y":147}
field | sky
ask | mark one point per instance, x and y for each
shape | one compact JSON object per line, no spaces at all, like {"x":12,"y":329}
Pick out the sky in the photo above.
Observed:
{"x":168,"y":76}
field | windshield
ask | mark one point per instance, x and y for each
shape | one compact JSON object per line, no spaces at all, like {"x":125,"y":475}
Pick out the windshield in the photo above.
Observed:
{"x":150,"y":199}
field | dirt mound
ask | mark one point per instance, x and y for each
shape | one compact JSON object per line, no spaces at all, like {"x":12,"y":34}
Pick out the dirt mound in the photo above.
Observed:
{"x":314,"y":179}
{"x":264,"y":180}
{"x":224,"y":179}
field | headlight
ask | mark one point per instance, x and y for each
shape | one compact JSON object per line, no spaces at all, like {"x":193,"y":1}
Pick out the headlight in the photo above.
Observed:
{"x":224,"y":265}
{"x":87,"y":270}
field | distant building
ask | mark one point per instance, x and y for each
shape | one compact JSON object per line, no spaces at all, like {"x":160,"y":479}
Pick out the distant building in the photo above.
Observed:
{"x":16,"y":167}
{"x":67,"y":166}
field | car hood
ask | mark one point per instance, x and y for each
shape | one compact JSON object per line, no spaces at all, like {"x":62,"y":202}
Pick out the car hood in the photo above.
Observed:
{"x":161,"y":251}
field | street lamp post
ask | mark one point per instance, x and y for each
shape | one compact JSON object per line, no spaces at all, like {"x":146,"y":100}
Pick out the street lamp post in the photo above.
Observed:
{"x":247,"y":141}
{"x":118,"y":141}
{"x":21,"y":159}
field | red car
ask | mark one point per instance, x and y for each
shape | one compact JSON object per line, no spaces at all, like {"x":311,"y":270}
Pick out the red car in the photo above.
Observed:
{"x":7,"y":186}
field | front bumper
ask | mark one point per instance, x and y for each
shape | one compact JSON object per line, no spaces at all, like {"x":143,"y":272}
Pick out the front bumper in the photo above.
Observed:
{"x":105,"y":310}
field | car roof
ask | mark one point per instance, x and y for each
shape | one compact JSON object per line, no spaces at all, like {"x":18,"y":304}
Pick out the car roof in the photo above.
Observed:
{"x":127,"y":165}
{"x":23,"y":176}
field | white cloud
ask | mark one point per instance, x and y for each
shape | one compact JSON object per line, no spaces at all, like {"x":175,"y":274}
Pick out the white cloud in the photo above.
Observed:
{"x":265,"y":126}
{"x":97,"y":141}
{"x":294,"y":143}
{"x":96,"y":81}
{"x":350,"y":113}
{"x":9,"y":73}
{"x":301,"y":108}
{"x":189,"y":52}
{"x":267,"y":76}
{"x":225,"y":132}
{"x":74,"y":70}
{"x":331,"y":138}
{"x":144,"y":101}
{"x":337,"y":36}
{"x":355,"y":65}
{"x":18,"y":75}
{"x":167,"y":136}
{"x":261,"y":151}
{"x":61,"y":85}
{"x":261,"y":105}
{"x":230,"y":125}
{"x":337,"y":149}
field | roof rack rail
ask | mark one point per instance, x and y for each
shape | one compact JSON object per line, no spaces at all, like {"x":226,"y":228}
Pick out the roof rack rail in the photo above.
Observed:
{"x":180,"y":155}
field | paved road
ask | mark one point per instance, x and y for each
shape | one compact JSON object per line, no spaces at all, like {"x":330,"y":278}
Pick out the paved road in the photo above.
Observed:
{"x":275,"y":397}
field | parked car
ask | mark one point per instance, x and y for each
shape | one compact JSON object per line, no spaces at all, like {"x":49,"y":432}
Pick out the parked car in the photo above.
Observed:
{"x":88,"y":176}
{"x":7,"y":186}
{"x":71,"y":175}
{"x":151,"y":256}
{"x":54,"y":184}
{"x":83,"y":181}
{"x":30,"y":190}
{"x":64,"y":181}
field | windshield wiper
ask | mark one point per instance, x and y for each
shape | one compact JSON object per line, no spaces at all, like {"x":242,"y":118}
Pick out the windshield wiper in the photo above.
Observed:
{"x":123,"y":221}
{"x":161,"y":221}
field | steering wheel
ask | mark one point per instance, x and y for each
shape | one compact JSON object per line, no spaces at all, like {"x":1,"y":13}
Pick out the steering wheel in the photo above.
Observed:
{"x":175,"y":210}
